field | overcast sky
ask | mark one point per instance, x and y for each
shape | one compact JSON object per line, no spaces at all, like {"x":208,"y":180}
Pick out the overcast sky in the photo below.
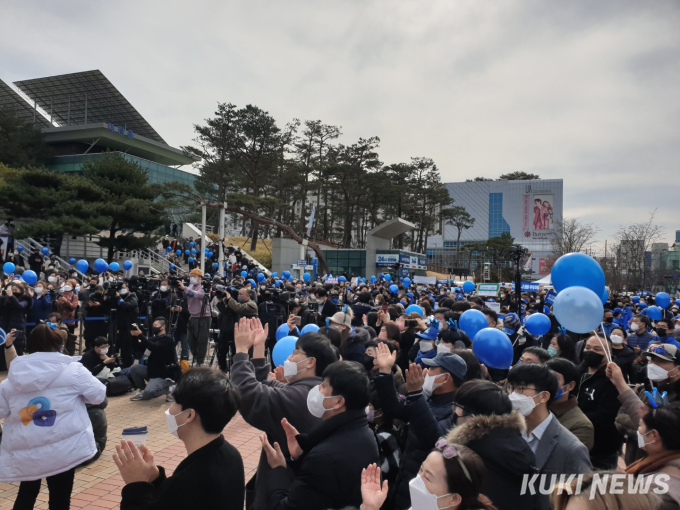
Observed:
{"x":580,"y":90}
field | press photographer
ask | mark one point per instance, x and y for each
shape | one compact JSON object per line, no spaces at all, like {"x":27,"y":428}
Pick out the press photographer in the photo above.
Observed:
{"x":198,"y":303}
{"x":161,"y":369}
{"x":124,"y":303}
{"x":95,"y":308}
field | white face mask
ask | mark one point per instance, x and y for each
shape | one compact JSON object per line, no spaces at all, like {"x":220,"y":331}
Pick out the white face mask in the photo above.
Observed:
{"x":442,"y":349}
{"x":105,"y":350}
{"x":39,"y":290}
{"x":315,"y":402}
{"x":163,"y":288}
{"x":617,"y":340}
{"x":193,"y":280}
{"x":429,"y":385}
{"x":51,"y":279}
{"x":122,"y":292}
{"x":421,"y":498}
{"x":641,"y":439}
{"x":656,"y":373}
{"x":426,"y":345}
{"x":68,"y":288}
{"x":522,"y":403}
{"x":634,"y":326}
{"x":290,"y":368}
{"x":172,"y":422}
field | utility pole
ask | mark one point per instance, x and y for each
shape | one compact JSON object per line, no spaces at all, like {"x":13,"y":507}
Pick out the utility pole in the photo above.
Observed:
{"x":220,"y":262}
{"x":203,"y":209}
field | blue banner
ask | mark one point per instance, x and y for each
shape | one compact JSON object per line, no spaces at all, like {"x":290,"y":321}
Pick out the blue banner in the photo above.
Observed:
{"x":550,"y":297}
{"x":527,"y":286}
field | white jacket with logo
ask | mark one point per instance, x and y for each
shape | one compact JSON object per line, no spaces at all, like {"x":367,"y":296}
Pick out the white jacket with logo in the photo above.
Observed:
{"x":46,"y":429}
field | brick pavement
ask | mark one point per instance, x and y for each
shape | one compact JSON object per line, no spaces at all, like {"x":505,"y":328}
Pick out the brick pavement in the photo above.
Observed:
{"x":98,"y":485}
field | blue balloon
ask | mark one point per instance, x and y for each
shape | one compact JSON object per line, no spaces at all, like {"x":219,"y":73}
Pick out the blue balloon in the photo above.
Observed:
{"x":192,"y":244}
{"x":394,"y":289}
{"x":286,"y":274}
{"x":82,"y":265}
{"x":244,"y":274}
{"x":342,"y":279}
{"x":275,"y":274}
{"x":168,"y":249}
{"x":191,"y":260}
{"x":415,"y":308}
{"x":635,"y":299}
{"x":537,"y":324}
{"x":216,"y":265}
{"x":653,"y":312}
{"x":309,"y":328}
{"x":467,"y":288}
{"x":72,"y":260}
{"x":210,"y":254}
{"x":373,"y":278}
{"x":407,"y":282}
{"x":577,"y":270}
{"x":127,"y":265}
{"x":642,"y":306}
{"x":472,"y":322}
{"x":114,"y":266}
{"x":252,"y":282}
{"x":388,"y":277}
{"x":282,"y":331}
{"x":663,"y":300}
{"x":45,"y":250}
{"x":492,"y":347}
{"x":100,"y":265}
{"x":605,"y":296}
{"x":306,"y":277}
{"x":193,"y":252}
{"x":578,"y":309}
{"x":30,"y":277}
{"x":187,"y":252}
{"x":179,"y":252}
{"x":283,"y":349}
{"x":20,"y":248}
{"x":645,"y":293}
{"x":260,"y":277}
{"x":172,"y":266}
{"x":290,"y":278}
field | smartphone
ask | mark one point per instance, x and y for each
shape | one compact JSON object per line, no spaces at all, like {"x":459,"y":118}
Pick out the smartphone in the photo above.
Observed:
{"x":298,"y":320}
{"x":384,"y":307}
{"x":410,"y":323}
{"x":134,"y":326}
{"x":19,"y":335}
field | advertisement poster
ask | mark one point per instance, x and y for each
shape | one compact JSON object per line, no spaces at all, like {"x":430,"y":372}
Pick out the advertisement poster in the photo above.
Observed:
{"x":545,"y":265}
{"x":538,"y":217}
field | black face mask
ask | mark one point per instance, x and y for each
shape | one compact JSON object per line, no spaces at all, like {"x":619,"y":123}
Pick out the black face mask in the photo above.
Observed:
{"x":593,"y":359}
{"x":92,"y":286}
{"x":367,"y":362}
{"x":156,"y":331}
{"x":662,"y":332}
{"x":609,"y":320}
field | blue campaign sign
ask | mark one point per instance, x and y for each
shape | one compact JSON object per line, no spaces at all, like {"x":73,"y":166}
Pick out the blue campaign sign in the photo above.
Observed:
{"x":527,"y":286}
{"x":403,"y":272}
{"x":422,"y":262}
{"x":404,"y":259}
{"x":386,"y":259}
{"x":332,"y":279}
{"x":550,"y":297}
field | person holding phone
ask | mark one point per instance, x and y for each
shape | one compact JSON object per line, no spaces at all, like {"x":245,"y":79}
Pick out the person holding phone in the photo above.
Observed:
{"x":162,"y":354}
{"x":15,"y":304}
{"x":325,"y":308}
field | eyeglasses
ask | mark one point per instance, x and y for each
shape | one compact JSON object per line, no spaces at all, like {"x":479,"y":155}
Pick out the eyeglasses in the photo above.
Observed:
{"x":458,"y":406}
{"x":450,"y":452}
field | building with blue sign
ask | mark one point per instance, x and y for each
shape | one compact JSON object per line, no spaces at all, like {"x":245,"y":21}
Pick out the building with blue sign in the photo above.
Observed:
{"x":83,"y":117}
{"x":527,"y":210}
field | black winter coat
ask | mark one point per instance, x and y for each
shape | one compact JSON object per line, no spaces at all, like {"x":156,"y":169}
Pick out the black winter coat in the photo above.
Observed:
{"x":127,"y":311}
{"x":416,"y":450}
{"x":329,"y":473}
{"x":598,"y":399}
{"x":624,"y":359}
{"x":498,"y":440}
{"x":163,"y":353}
{"x":211,"y":477}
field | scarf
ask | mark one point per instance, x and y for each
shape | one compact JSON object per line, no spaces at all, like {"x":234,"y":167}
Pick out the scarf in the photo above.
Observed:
{"x":652,"y":463}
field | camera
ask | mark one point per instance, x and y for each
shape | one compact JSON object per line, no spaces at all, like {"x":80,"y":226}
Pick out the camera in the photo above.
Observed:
{"x":113,"y":288}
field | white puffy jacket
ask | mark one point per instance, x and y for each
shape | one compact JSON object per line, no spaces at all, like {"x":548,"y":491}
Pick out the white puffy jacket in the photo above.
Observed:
{"x":47,"y":429}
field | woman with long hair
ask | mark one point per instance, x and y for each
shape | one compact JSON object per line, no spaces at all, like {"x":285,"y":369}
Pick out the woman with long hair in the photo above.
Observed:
{"x":47,"y":431}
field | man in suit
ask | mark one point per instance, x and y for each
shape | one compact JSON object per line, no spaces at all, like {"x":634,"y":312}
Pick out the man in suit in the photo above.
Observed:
{"x":326,"y":309}
{"x":532,"y":387}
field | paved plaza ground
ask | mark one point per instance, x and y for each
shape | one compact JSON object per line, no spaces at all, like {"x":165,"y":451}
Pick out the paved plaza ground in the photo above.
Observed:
{"x":98,"y":485}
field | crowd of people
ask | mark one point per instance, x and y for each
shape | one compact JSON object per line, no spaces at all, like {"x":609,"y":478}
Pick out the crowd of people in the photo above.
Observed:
{"x":382,"y":403}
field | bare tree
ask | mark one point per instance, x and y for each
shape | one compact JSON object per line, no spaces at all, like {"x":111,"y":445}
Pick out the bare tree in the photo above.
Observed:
{"x":571,"y":236}
{"x":458,"y":217}
{"x":634,"y":242}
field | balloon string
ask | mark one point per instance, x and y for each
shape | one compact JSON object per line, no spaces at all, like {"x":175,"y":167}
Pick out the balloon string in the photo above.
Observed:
{"x":604,"y":348}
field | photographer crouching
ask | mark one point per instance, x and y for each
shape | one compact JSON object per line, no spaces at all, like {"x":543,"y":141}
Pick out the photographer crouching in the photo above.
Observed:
{"x":198,"y":303}
{"x":161,"y":366}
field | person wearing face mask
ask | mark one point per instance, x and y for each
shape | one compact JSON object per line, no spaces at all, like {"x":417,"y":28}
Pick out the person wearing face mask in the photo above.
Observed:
{"x":299,"y":309}
{"x":450,"y":339}
{"x":14,"y":305}
{"x":41,"y":306}
{"x":127,"y":312}
{"x":562,"y":346}
{"x":565,"y":405}
{"x":161,"y":300}
{"x":639,"y":338}
{"x":46,"y":430}
{"x":36,"y":261}
{"x":371,"y":365}
{"x":325,"y":309}
{"x":607,"y":322}
{"x":352,"y":347}
{"x":427,"y":408}
{"x":487,"y":424}
{"x":97,"y":360}
{"x":95,"y":307}
{"x":532,"y":387}
{"x":597,"y":399}
{"x":426,"y":348}
{"x":162,"y":355}
{"x":664,"y":330}
{"x":621,"y":353}
{"x":330,"y":458}
{"x":266,"y":401}
{"x":201,"y":316}
{"x":211,"y":475}
{"x":67,"y":306}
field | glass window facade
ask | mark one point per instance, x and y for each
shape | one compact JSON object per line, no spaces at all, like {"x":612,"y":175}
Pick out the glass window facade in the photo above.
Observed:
{"x":158,"y":173}
{"x":346,"y":262}
{"x":497,"y":225}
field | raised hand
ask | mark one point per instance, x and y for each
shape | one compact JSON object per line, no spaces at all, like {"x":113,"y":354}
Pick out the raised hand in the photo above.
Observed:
{"x":258,"y":334}
{"x":373,"y":495}
{"x":415,"y":377}
{"x":293,"y":446}
{"x":135,"y":466}
{"x":386,"y":359}
{"x":275,"y":457}
{"x":242,"y":335}
{"x":277,"y":375}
